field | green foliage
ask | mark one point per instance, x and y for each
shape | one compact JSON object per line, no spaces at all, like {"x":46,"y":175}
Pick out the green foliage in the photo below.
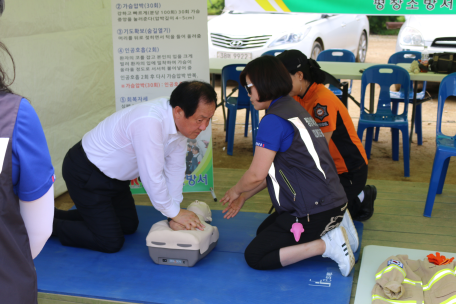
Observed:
{"x":215,"y":7}
{"x":378,"y":24}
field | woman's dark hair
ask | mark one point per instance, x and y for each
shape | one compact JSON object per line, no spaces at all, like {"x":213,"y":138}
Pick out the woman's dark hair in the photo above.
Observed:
{"x":5,"y":80}
{"x":188,"y":94}
{"x":295,"y":61}
{"x":269,"y":76}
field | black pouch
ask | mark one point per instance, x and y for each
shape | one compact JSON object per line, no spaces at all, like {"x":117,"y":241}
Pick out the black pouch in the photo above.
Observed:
{"x":444,"y":63}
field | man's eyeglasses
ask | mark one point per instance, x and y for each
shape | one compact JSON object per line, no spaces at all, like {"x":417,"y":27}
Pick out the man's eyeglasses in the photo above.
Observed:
{"x":247,"y":87}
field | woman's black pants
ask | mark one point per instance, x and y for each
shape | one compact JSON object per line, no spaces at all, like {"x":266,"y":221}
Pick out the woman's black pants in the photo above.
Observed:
{"x":263,"y":252}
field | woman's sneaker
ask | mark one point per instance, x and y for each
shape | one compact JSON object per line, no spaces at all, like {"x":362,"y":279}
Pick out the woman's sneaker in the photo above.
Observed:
{"x":350,"y":228}
{"x":337,"y":249}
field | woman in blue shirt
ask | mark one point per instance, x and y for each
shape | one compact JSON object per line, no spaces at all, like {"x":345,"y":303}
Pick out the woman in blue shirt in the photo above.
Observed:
{"x":26,"y":194}
{"x":292,"y":160}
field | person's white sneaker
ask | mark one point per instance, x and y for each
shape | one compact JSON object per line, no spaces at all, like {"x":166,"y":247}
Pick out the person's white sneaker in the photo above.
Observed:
{"x":350,"y":228}
{"x":337,"y":249}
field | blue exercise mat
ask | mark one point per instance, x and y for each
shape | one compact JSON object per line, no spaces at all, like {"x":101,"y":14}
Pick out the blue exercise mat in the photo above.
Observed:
{"x":221,"y":277}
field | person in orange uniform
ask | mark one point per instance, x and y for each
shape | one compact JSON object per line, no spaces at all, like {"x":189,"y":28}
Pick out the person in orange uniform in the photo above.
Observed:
{"x":335,"y":122}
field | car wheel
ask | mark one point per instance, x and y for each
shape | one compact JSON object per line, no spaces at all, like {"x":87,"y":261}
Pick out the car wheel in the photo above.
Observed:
{"x":362,"y":48}
{"x":316,"y":49}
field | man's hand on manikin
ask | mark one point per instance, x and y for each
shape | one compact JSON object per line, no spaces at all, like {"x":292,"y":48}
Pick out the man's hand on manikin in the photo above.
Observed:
{"x":189,"y":220}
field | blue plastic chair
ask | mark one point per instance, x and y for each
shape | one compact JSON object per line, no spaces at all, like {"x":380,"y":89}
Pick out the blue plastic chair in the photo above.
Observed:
{"x":273,"y":52}
{"x":385,"y":76}
{"x":446,"y":146}
{"x":337,"y":55}
{"x":396,"y":97}
{"x":242,"y":101}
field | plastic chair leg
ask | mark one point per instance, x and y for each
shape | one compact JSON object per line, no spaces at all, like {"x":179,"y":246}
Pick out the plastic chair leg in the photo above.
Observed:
{"x":406,"y":151}
{"x":443,"y":175}
{"x":246,"y":128}
{"x":434,"y":183}
{"x":377,"y":132}
{"x":231,"y":130}
{"x":395,"y":133}
{"x":360,"y":132}
{"x":224,"y":116}
{"x":395,"y":143}
{"x":419,"y":124}
{"x":368,"y":145}
{"x":227,"y":124}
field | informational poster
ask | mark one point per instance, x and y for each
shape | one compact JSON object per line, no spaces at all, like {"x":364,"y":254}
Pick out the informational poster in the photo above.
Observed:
{"x":156,"y":46}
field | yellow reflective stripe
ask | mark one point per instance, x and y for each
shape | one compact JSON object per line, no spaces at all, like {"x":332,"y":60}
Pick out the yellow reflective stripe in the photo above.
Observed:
{"x":408,"y":281}
{"x":266,"y":5}
{"x":436,"y":277}
{"x":451,"y":300}
{"x":388,"y":269}
{"x":282,"y":5}
{"x":377,"y":297}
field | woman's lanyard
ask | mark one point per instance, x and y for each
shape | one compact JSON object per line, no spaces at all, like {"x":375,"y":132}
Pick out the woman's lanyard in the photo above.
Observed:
{"x":297,"y":229}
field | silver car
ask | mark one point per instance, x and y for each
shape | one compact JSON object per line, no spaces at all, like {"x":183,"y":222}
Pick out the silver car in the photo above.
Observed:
{"x":437,"y":32}
{"x":247,"y":35}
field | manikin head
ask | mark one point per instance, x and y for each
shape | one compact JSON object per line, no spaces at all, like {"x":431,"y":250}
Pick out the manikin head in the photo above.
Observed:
{"x":201,"y":209}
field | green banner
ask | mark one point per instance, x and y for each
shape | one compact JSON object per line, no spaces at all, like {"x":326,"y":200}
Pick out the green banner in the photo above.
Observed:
{"x":200,"y":180}
{"x":367,"y":7}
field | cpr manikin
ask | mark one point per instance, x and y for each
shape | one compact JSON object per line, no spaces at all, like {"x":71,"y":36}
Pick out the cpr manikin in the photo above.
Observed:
{"x":183,"y":247}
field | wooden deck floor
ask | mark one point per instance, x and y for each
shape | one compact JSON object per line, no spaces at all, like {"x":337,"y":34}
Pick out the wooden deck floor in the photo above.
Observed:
{"x":398,"y":219}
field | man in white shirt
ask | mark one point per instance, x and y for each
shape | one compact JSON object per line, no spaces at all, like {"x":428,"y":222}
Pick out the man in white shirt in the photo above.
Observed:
{"x":147,"y":140}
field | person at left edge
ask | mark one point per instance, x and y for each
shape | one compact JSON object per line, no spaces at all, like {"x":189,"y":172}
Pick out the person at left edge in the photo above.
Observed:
{"x":26,"y":192}
{"x":147,"y":140}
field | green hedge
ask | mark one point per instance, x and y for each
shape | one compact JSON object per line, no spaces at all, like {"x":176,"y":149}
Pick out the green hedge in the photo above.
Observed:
{"x":378,"y":24}
{"x":215,"y":7}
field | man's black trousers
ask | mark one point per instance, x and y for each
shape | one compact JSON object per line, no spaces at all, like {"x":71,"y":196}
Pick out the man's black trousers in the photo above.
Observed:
{"x":105,"y":207}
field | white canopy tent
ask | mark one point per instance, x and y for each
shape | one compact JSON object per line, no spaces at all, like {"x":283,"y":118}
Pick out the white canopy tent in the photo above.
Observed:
{"x":63,"y":56}
{"x":64,"y":64}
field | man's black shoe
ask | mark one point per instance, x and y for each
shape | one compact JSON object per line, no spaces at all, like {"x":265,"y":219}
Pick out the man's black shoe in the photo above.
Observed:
{"x":367,"y":206}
